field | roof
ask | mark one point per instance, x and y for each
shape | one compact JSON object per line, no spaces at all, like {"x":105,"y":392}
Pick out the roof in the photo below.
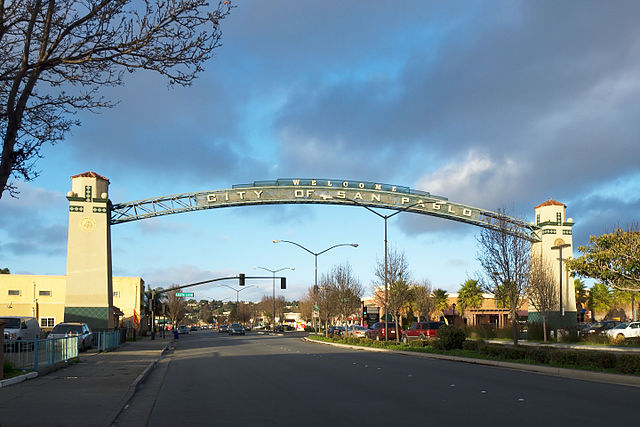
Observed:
{"x":550,"y":202}
{"x":90,"y":175}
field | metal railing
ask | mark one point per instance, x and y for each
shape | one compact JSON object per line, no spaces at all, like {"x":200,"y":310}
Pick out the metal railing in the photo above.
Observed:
{"x":106,"y":340}
{"x":31,"y":355}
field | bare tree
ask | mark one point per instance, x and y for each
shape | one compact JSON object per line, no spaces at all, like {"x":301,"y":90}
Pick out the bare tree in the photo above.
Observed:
{"x":266,"y":305}
{"x":348,"y":292}
{"x":305,"y":305}
{"x":541,"y":292}
{"x":56,"y":56}
{"x":398,"y":278}
{"x":326,"y":297}
{"x":176,"y":308}
{"x":424,"y":302}
{"x":504,"y":257}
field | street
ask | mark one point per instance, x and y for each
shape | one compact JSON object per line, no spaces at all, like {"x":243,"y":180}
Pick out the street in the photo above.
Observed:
{"x":258,"y":379}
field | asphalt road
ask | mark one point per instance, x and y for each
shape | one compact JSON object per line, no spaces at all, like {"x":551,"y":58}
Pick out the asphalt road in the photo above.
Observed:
{"x":255,"y":380}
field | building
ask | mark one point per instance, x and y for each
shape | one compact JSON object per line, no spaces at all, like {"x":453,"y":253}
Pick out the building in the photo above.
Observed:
{"x":44,"y":297}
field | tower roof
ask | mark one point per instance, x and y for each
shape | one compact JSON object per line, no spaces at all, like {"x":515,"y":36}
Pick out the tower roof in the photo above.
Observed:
{"x":89,"y":175}
{"x":550,"y":202}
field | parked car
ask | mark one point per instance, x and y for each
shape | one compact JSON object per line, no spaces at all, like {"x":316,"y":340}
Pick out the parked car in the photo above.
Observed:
{"x":376,"y":331}
{"x":357,"y":331}
{"x":335,"y":330}
{"x":80,"y":330}
{"x":623,"y":331}
{"x":421,"y":330}
{"x":278,"y":328}
{"x":182,"y":329}
{"x":599,"y":327}
{"x":223,"y":328}
{"x":194,"y":328}
{"x":236,"y":329}
{"x":20,"y":328}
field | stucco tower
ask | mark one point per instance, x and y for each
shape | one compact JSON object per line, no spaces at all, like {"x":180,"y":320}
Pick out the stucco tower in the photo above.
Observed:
{"x":557,"y":240}
{"x":89,"y":296}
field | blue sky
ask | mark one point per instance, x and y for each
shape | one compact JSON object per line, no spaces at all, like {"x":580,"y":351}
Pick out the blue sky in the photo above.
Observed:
{"x":495,"y":107}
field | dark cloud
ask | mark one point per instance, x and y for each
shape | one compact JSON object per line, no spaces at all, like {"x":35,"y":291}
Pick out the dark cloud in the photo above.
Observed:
{"x":541,"y":89}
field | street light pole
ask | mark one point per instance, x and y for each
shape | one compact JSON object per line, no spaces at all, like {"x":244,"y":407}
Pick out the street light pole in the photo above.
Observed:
{"x":274,"y":289}
{"x":386,"y":270}
{"x":315,"y":262}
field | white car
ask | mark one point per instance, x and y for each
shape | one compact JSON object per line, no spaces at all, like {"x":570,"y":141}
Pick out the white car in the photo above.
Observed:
{"x":80,"y":330}
{"x":624,"y":331}
{"x":357,"y":331}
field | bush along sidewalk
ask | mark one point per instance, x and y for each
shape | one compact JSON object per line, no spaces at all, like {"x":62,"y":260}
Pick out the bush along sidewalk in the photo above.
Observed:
{"x":451,"y":341}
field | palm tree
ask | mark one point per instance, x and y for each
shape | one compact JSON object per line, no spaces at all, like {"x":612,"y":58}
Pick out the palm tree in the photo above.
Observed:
{"x":469,"y":295}
{"x":440,"y":296}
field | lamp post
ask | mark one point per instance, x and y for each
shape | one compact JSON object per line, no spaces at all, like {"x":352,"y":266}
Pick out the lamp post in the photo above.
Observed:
{"x":238,"y":291}
{"x":559,"y":247}
{"x":274,"y":288}
{"x":315,"y":261}
{"x":386,"y":270}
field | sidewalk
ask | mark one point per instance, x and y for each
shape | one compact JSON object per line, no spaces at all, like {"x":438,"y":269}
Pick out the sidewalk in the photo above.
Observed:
{"x":90,"y":392}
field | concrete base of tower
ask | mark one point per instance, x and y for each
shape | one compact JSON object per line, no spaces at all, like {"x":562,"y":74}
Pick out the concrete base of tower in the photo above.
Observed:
{"x":555,"y":320}
{"x":95,"y":317}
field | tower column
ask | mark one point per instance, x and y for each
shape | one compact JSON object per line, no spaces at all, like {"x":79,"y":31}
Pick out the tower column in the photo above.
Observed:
{"x":89,"y":295}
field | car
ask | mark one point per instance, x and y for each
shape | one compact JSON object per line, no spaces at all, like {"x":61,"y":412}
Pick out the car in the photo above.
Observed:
{"x":335,"y":331}
{"x":20,"y":328}
{"x":236,"y":329}
{"x":194,"y":328}
{"x":223,"y":328}
{"x":599,"y":327}
{"x":182,"y":329}
{"x":376,"y":331}
{"x":80,"y":330}
{"x":421,"y":330}
{"x":357,"y":331}
{"x":623,"y":331}
{"x":278,"y":328}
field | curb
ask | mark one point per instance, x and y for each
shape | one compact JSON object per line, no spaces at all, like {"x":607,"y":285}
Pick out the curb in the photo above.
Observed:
{"x":17,"y":379}
{"x":602,"y":377}
{"x":133,"y":387}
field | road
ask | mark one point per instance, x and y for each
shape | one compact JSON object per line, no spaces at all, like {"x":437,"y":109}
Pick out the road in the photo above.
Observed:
{"x":256,"y":380}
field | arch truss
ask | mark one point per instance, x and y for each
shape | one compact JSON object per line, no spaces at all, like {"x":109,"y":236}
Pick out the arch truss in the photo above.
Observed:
{"x":321,"y":191}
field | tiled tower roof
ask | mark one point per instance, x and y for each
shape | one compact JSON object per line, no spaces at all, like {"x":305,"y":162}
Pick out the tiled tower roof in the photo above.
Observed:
{"x":90,"y":175}
{"x":550,"y":202}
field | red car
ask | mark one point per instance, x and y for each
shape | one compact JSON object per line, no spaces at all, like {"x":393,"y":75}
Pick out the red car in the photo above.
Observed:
{"x":421,"y":331}
{"x":376,"y":331}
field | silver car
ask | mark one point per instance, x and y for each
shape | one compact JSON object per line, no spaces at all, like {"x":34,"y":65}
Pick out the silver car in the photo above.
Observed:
{"x":80,"y":330}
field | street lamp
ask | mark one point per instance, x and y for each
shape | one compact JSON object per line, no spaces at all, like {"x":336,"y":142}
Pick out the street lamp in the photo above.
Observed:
{"x":238,"y":291}
{"x":274,"y":288}
{"x":559,"y":247}
{"x":386,"y":270}
{"x":315,"y":261}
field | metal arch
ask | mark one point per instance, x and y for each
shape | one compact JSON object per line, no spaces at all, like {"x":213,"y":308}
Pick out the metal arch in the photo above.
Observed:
{"x":331,"y":192}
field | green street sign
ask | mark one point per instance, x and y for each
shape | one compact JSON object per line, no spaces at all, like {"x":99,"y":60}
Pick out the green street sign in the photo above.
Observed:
{"x":184,"y":294}
{"x":316,"y":308}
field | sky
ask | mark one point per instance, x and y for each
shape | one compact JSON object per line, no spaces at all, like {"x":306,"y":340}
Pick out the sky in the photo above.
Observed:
{"x":494,"y":105}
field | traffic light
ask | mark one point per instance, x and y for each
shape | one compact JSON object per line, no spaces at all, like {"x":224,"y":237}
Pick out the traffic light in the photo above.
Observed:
{"x":364,"y":310}
{"x":241,"y":278}
{"x":283,"y":283}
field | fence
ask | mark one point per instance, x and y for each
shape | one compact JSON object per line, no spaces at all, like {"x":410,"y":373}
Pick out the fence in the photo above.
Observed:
{"x":31,"y":355}
{"x":107,"y":340}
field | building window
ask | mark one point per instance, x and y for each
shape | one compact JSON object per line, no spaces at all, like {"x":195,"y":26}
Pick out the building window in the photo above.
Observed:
{"x":44,"y":293}
{"x":538,"y":219}
{"x":549,"y":231}
{"x":558,"y":217}
{"x":47,"y":322}
{"x":566,"y":232}
{"x":87,"y":193}
{"x":116,"y":293}
{"x":14,"y":292}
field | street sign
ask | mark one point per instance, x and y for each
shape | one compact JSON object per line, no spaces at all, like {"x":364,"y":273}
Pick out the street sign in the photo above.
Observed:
{"x":316,"y":308}
{"x":184,"y":294}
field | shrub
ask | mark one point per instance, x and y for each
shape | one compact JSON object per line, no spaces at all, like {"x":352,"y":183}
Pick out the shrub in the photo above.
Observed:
{"x":540,"y":355}
{"x":450,"y":337}
{"x":309,"y":328}
{"x":597,"y":359}
{"x":471,"y":345}
{"x":628,"y":364}
{"x":565,"y":357}
{"x":486,"y":331}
